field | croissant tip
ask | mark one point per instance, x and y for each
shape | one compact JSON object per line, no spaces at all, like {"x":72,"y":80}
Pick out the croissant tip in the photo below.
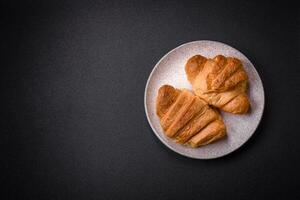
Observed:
{"x":239,"y":105}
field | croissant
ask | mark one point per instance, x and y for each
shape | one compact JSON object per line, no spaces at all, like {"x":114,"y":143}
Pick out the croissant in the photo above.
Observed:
{"x":221,"y":81}
{"x":188,"y":119}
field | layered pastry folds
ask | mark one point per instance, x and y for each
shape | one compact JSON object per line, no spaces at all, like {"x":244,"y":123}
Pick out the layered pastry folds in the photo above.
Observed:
{"x":187,"y":118}
{"x":221,"y":82}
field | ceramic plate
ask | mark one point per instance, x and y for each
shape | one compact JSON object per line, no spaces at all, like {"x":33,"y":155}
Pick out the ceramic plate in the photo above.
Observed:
{"x":170,"y":70}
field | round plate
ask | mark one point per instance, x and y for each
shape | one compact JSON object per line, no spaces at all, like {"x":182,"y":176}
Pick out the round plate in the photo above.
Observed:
{"x":170,"y":70}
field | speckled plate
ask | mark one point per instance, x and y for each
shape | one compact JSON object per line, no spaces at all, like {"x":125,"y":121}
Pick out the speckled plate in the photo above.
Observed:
{"x":170,"y":70}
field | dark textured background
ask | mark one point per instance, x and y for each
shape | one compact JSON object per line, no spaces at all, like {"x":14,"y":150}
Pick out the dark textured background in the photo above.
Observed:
{"x":73,"y":79}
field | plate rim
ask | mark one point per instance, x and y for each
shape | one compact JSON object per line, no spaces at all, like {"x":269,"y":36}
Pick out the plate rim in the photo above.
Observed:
{"x":154,"y":130}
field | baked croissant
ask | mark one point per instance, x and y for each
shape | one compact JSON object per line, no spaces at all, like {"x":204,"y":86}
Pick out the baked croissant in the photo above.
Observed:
{"x":187,"y":118}
{"x":221,"y":81}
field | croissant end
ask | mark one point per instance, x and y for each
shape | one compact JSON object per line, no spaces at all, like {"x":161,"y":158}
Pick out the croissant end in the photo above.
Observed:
{"x":238,"y":105}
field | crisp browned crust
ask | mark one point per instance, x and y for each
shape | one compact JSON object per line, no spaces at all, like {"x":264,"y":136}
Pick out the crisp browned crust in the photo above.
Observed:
{"x":187,"y":118}
{"x":221,"y":81}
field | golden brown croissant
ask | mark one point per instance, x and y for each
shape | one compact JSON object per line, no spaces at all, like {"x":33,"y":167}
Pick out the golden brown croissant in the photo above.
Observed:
{"x":187,"y":118}
{"x":220,"y":81}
